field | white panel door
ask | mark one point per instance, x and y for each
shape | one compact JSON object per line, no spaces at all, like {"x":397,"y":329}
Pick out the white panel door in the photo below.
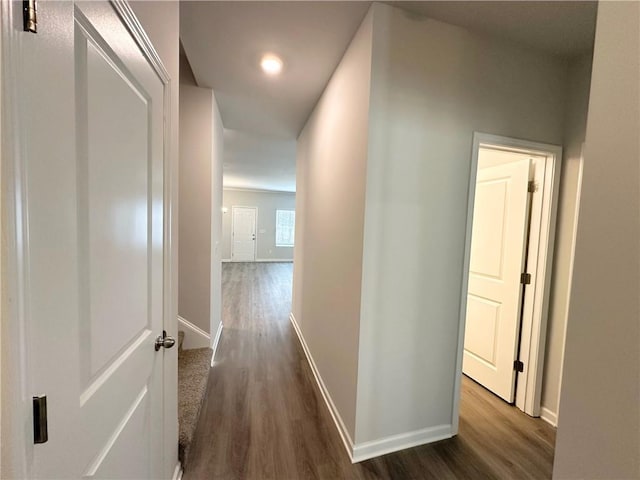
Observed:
{"x":497,"y":257}
{"x":244,"y":234}
{"x":94,"y":170}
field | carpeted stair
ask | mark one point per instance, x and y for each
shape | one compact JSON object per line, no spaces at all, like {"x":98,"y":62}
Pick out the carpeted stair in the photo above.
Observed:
{"x":193,"y":372}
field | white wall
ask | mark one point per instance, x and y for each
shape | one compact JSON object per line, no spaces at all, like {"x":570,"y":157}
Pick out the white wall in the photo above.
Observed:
{"x":267,"y":203}
{"x":215,"y":300}
{"x":201,"y":159}
{"x":160,"y":21}
{"x":575,"y":125}
{"x":432,"y":86}
{"x":599,"y":427}
{"x":330,"y":187}
{"x":196,"y":155}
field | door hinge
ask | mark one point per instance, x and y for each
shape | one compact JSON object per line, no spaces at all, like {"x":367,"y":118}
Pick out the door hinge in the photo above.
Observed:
{"x":518,"y":366}
{"x":40,"y":433}
{"x":29,"y":16}
{"x":525,"y":278}
{"x":532,"y":187}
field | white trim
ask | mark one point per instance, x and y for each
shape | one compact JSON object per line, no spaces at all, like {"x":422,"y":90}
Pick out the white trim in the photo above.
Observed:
{"x":194,"y":336}
{"x":17,"y":426}
{"x":256,"y":190}
{"x":275,"y":260}
{"x":337,"y":419}
{"x":539,"y":264}
{"x":536,"y":299}
{"x":375,"y":448}
{"x":2,"y":295}
{"x":471,"y":192}
{"x":255,"y":233}
{"x":216,"y":342}
{"x":570,"y":279}
{"x":140,"y":36}
{"x":548,"y":416}
{"x":177,"y":473}
{"x":226,"y":260}
{"x":394,"y":443}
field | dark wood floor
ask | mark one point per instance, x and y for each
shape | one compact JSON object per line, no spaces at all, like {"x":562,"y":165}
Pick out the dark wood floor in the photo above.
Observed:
{"x":264,"y":417}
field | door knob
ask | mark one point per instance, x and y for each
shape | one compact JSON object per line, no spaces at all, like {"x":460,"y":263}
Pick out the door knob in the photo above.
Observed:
{"x":164,"y":341}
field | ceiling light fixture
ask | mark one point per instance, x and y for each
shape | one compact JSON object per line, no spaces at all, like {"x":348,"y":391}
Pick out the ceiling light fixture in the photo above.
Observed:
{"x":271,"y":64}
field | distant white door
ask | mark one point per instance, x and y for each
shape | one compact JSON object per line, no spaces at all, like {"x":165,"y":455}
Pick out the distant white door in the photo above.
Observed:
{"x":498,"y":245}
{"x":244,"y":234}
{"x":94,"y":190}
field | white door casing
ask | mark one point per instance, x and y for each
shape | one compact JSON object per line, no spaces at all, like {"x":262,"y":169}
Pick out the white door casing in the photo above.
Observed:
{"x":543,"y":211}
{"x":498,"y":244}
{"x":93,"y":105}
{"x":243,"y":234}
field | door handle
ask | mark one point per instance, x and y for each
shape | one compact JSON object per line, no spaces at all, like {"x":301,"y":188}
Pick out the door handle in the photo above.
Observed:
{"x":164,"y":341}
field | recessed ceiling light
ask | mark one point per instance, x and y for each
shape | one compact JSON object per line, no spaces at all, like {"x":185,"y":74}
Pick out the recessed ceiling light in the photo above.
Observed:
{"x":271,"y":64}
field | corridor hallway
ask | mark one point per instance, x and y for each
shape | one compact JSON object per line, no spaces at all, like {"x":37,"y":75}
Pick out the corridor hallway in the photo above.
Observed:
{"x":263,"y":416}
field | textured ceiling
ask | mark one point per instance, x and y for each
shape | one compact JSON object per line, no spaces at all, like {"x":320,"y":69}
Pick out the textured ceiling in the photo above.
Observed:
{"x":262,"y":115}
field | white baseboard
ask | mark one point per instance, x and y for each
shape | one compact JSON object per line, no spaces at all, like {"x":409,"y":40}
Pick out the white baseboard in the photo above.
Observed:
{"x":226,"y":260}
{"x":342,"y":430}
{"x":216,"y":341}
{"x":366,"y":450}
{"x":394,"y":443}
{"x":194,"y":336}
{"x":548,"y":416}
{"x":177,"y":473}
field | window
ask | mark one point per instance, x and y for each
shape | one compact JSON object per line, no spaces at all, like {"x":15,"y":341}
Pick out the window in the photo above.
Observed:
{"x":285,"y":227}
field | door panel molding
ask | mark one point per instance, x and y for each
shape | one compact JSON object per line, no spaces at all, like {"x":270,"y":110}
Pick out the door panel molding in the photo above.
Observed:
{"x":498,"y":246}
{"x":17,"y":427}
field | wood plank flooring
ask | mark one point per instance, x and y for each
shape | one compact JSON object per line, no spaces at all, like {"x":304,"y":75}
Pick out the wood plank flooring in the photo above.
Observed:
{"x":264,"y":417}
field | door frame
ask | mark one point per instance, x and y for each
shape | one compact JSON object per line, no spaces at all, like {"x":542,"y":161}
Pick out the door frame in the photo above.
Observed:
{"x":544,"y":207}
{"x":17,"y":424}
{"x":255,"y":242}
{"x":17,"y":416}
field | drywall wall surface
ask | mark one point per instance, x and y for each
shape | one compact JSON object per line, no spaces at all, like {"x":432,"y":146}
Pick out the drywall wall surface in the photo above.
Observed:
{"x":331,"y":167}
{"x":161,"y":22}
{"x":599,"y":426}
{"x":267,"y":203}
{"x":575,"y":126}
{"x":432,"y":86}
{"x":186,"y":73}
{"x":217,"y":145}
{"x":301,"y":209}
{"x":196,"y":155}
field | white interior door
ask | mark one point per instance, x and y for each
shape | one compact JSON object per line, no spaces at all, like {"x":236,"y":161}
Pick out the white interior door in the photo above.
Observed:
{"x":498,"y":245}
{"x":94,"y":170}
{"x":244,"y":234}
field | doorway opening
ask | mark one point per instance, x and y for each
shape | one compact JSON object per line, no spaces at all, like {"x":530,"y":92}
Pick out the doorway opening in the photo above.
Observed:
{"x":509,"y":245}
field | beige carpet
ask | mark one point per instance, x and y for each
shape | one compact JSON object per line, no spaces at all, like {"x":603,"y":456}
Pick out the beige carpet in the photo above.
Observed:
{"x":193,"y":372}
